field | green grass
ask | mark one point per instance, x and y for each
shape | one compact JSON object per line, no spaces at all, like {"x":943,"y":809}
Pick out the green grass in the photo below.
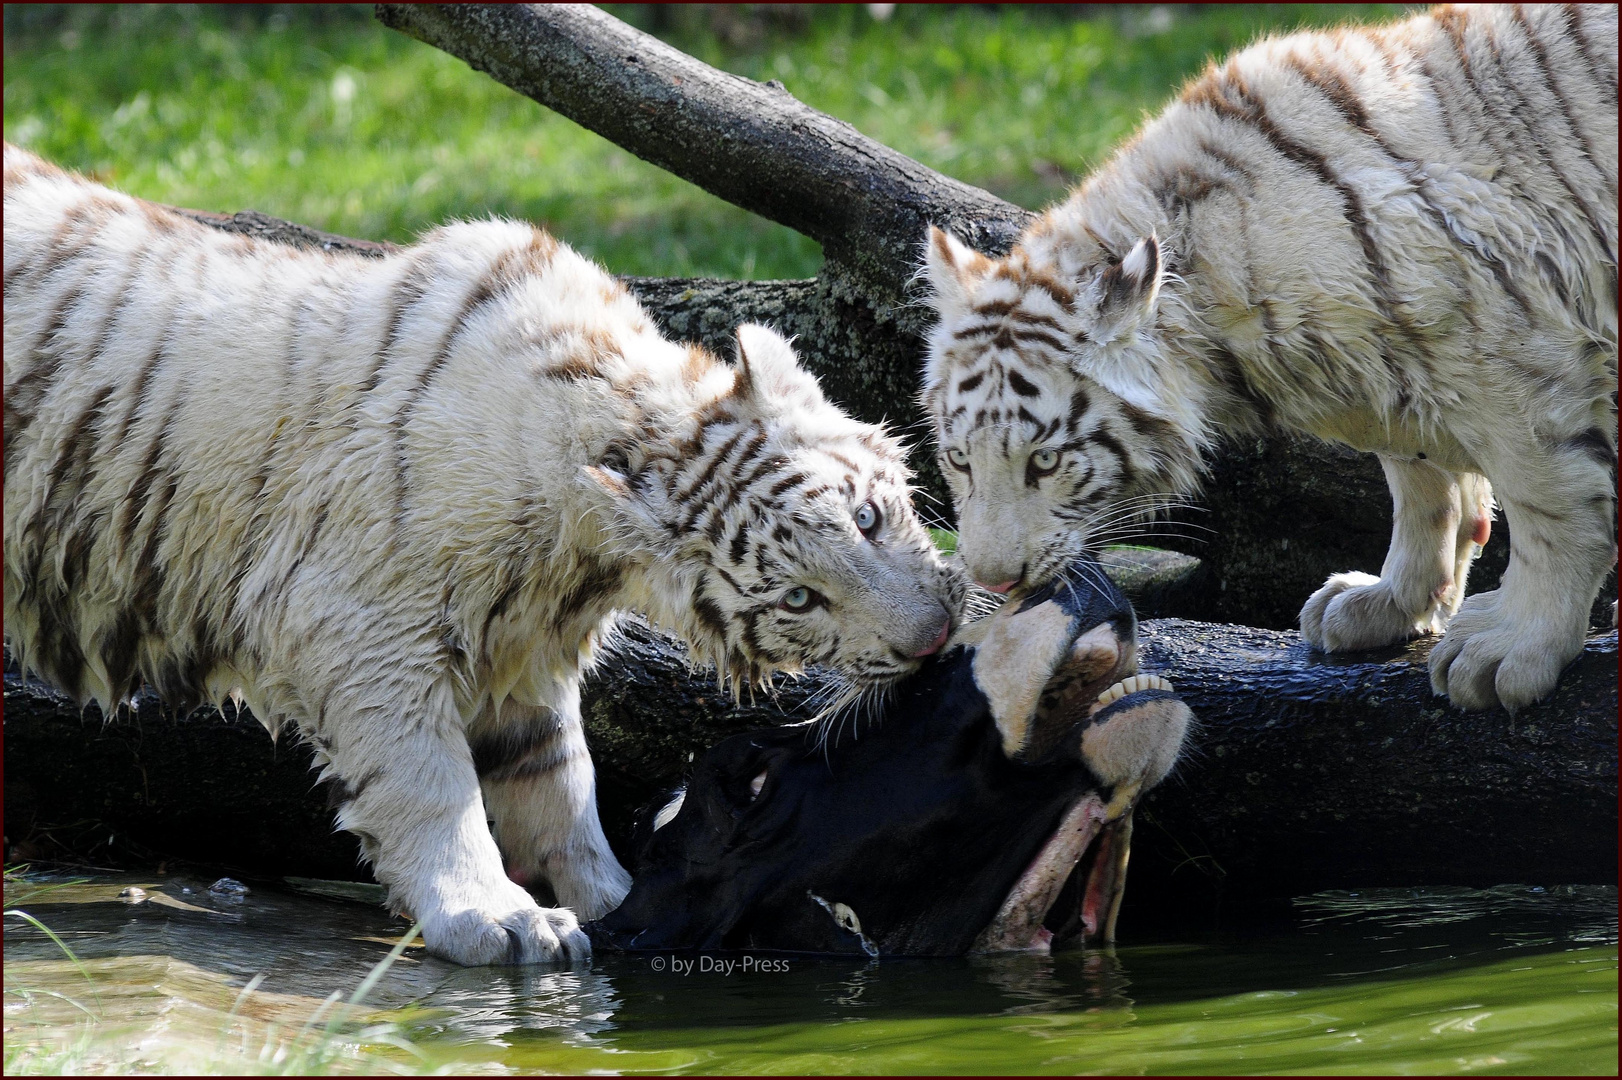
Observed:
{"x":325,"y":117}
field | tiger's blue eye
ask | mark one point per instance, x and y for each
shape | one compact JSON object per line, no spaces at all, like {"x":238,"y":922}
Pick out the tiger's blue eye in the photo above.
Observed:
{"x":1045,"y":460}
{"x":798,"y":599}
{"x":867,"y":518}
{"x":958,"y":458}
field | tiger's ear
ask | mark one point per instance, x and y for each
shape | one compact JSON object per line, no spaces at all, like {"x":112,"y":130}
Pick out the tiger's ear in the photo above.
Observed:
{"x":1128,"y":290}
{"x":952,"y":268}
{"x":769,"y":374}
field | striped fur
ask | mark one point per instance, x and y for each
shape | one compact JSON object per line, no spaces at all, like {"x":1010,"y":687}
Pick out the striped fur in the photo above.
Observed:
{"x":1402,"y":238}
{"x":398,"y":501}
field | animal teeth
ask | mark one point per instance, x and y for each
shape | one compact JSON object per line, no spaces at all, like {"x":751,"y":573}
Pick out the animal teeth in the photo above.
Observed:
{"x":1132,"y":685}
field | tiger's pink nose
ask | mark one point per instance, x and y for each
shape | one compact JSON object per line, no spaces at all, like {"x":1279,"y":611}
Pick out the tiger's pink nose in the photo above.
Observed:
{"x":940,"y":639}
{"x":1004,"y":587}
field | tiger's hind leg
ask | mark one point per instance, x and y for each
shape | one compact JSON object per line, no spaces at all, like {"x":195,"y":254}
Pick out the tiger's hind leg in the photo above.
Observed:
{"x":406,"y":785}
{"x":1439,"y":521}
{"x":540,"y":793}
{"x":1509,"y":646}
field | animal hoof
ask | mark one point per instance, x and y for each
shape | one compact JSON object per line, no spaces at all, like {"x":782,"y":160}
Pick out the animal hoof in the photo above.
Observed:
{"x":1133,"y":737}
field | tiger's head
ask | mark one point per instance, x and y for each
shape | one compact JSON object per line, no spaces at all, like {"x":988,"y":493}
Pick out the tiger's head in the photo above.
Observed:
{"x":1052,"y":428}
{"x":784,"y":530}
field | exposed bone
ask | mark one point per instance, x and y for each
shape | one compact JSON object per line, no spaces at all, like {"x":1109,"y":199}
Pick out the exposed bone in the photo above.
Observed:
{"x":1123,"y":854}
{"x":1017,"y":926}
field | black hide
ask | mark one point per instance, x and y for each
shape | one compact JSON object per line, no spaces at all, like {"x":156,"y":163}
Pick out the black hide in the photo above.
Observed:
{"x":901,"y":839}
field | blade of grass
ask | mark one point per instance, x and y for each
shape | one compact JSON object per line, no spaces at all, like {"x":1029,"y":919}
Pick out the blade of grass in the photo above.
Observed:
{"x":384,"y":964}
{"x":236,"y":1006}
{"x":48,"y":932}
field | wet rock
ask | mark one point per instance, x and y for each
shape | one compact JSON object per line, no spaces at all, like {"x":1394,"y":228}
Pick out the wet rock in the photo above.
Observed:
{"x":1154,"y":579}
{"x":229,"y":889}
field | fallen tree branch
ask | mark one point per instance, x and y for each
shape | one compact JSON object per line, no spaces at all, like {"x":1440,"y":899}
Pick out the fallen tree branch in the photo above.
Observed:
{"x":264,"y":227}
{"x":1312,"y":772}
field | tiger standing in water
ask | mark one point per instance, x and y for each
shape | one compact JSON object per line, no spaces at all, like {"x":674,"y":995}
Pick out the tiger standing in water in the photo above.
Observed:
{"x":398,"y":502}
{"x":1401,"y":238}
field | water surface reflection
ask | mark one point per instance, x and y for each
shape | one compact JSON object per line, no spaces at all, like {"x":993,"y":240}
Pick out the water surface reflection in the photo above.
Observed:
{"x":185,"y":946}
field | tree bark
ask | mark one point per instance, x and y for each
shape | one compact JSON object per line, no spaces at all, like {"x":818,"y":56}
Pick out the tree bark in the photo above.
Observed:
{"x":264,"y":227}
{"x":1311,"y":772}
{"x":1305,"y":773}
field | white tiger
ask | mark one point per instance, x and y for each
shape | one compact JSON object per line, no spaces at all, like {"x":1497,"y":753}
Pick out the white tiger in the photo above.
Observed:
{"x":1400,"y":237}
{"x":398,"y":501}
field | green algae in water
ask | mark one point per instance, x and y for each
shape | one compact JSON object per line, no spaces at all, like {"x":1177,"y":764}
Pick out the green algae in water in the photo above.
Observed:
{"x":1550,"y":1013}
{"x":1509,"y":980}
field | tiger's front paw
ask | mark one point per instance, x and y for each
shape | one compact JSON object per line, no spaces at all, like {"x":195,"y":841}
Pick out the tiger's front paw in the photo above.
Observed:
{"x":522,"y":933}
{"x":1360,"y":611}
{"x":1488,"y":658}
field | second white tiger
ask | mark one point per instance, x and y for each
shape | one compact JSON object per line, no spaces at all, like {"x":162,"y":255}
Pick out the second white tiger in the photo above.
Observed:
{"x":1402,"y":238}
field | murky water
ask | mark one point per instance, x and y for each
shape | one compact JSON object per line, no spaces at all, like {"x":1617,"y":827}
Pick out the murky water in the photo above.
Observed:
{"x":1509,"y":980}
